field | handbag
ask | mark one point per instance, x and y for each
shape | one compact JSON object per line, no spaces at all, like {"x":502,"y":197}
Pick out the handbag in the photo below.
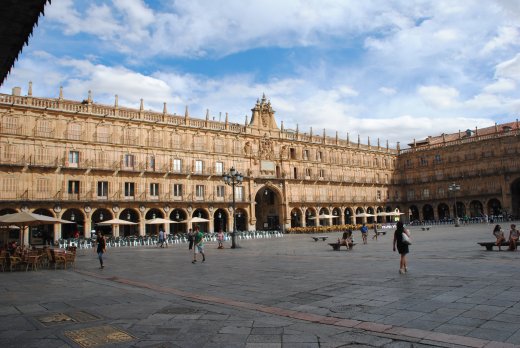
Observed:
{"x":406,"y":240}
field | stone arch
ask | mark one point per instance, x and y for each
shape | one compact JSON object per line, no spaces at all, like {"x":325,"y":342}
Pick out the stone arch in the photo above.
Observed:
{"x":178,"y":214}
{"x":347,"y":216}
{"x":153,"y":229}
{"x":100,"y":215}
{"x":132,"y":215}
{"x":494,"y":207}
{"x":241,"y":218}
{"x":476,"y":209}
{"x":221,"y":220}
{"x":269,"y":210}
{"x":428,"y":213}
{"x":78,"y":218}
{"x":413,"y":213}
{"x":515,"y":198}
{"x":336,"y":211}
{"x":310,"y":212}
{"x":43,"y":234}
{"x":443,"y":211}
{"x":296,"y":217}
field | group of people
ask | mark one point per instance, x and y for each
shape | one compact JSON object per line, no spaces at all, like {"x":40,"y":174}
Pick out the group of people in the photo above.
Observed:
{"x":500,"y":238}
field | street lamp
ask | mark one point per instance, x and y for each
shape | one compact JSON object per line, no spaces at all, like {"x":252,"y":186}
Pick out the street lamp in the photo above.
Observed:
{"x":233,"y":178}
{"x":454,"y":188}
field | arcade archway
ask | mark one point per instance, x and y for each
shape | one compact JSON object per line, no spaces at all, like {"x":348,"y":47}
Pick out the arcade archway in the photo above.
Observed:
{"x":78,"y":225}
{"x":515,"y":197}
{"x":268,"y":212}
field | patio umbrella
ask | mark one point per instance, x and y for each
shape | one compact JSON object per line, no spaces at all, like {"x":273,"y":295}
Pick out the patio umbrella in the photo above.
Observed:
{"x":364,"y":215}
{"x":323,"y":216}
{"x":158,"y":221}
{"x":24,"y":219}
{"x":116,"y":222}
{"x":195,"y":219}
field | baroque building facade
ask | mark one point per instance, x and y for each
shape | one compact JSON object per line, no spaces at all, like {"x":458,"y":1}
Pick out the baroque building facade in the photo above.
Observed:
{"x":88,"y":163}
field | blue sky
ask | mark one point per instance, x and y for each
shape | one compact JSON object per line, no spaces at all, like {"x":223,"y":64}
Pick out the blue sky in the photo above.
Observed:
{"x":394,"y":70}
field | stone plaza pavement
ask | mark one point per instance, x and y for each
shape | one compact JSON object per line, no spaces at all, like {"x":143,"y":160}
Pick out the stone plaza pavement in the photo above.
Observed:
{"x":277,"y":292}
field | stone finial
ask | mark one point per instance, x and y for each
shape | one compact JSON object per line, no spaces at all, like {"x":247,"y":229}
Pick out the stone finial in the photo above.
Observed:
{"x":387,"y":147}
{"x":337,"y":137}
{"x":165,"y":108}
{"x":29,"y":91}
{"x":348,"y":138}
{"x":311,"y":134}
{"x":414,"y":143}
{"x":89,"y":99}
{"x":207,"y":114}
{"x":141,"y":105}
{"x":297,"y":128}
{"x":358,"y":139}
{"x":368,"y":141}
{"x":247,"y":120}
{"x":496,"y":127}
{"x":186,"y":112}
{"x":517,"y":123}
{"x":476,"y":131}
{"x":281,"y":126}
{"x":443,"y":137}
{"x":459,"y":134}
{"x":323,"y":133}
{"x":116,"y":101}
{"x":398,"y":146}
{"x":61,"y":93}
{"x":227,"y":118}
{"x":378,"y":143}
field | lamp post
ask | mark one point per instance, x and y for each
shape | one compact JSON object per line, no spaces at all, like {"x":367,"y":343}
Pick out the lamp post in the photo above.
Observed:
{"x":454,"y":188}
{"x":233,"y":178}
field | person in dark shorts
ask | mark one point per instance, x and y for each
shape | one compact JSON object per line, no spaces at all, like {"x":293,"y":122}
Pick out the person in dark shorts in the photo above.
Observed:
{"x":101,"y":247}
{"x":402,"y":248}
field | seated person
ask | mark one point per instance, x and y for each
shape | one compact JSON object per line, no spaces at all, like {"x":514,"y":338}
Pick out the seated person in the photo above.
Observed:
{"x":346,"y":239}
{"x":513,"y":237}
{"x":499,"y":235}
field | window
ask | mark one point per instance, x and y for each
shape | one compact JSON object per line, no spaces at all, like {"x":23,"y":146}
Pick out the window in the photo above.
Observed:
{"x":130,"y":136}
{"x":319,"y":156}
{"x":73,"y":187}
{"x":73,"y":159}
{"x":239,"y":193}
{"x":426,"y":194}
{"x":423,"y":161}
{"x":177,"y":165}
{"x":10,"y":124}
{"x":237,"y":147}
{"x":411,"y":194}
{"x":221,"y":191}
{"x":176,"y":141}
{"x":438,"y":159}
{"x":102,"y":189}
{"x":74,"y":131}
{"x":129,"y":189}
{"x":151,"y":163}
{"x":219,"y":145}
{"x":154,"y":189}
{"x":198,"y":143}
{"x":199,"y":191}
{"x":42,"y":185}
{"x":322,"y":173}
{"x":177,"y":190}
{"x":408,"y":163}
{"x":129,"y":160}
{"x":306,"y":154}
{"x":440,"y":192}
{"x":219,"y":168}
{"x":378,"y":195}
{"x":292,"y":152}
{"x":308,"y":173}
{"x":9,"y":187}
{"x":103,"y":135}
{"x":44,"y":128}
{"x":198,"y":166}
{"x":295,"y":173}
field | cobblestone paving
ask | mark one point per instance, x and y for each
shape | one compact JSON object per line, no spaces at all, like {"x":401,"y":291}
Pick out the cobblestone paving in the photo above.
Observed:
{"x":280,"y":292}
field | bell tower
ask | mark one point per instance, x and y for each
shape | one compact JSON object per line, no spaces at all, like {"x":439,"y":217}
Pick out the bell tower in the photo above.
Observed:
{"x":263,"y":115}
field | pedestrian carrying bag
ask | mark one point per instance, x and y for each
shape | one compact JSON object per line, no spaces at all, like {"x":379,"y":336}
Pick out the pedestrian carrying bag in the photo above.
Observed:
{"x":406,"y":239}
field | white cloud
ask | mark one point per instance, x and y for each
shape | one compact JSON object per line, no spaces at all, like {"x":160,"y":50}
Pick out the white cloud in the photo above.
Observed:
{"x":501,"y":85}
{"x":387,"y":91}
{"x":439,"y":97}
{"x":506,"y":36}
{"x":509,"y":69}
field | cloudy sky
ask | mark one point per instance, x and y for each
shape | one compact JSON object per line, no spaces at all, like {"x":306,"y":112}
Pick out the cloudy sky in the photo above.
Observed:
{"x":394,"y":70}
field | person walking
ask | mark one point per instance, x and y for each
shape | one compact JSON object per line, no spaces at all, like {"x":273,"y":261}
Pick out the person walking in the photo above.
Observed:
{"x":402,"y":247}
{"x":220,"y":239}
{"x":364,"y":232}
{"x":376,"y":233}
{"x":190,"y":239}
{"x":513,"y":237}
{"x":101,"y":247}
{"x":198,"y":245}
{"x":161,"y":238}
